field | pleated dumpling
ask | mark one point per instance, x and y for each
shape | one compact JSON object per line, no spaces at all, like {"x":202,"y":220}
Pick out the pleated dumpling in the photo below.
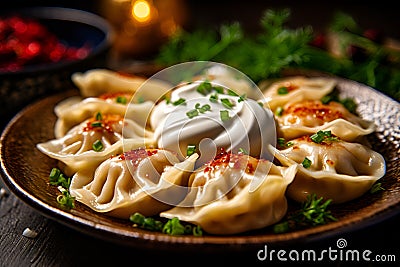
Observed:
{"x":96,"y":82}
{"x":74,"y":110}
{"x":331,"y":168}
{"x":221,"y":198}
{"x":147,"y":181}
{"x":294,"y":89}
{"x":310,"y":116}
{"x":94,"y":140}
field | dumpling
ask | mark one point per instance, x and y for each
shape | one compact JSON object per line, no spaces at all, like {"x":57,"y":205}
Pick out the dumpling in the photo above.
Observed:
{"x":143,"y":180}
{"x":221,"y":198}
{"x":295,"y":89}
{"x":96,"y":82}
{"x":74,"y":110}
{"x":331,"y":168}
{"x":94,"y":140}
{"x":306,"y":117}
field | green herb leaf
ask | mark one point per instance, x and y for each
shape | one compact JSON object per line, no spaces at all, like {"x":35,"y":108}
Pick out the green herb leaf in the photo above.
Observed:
{"x":224,"y":115}
{"x":178,"y":102}
{"x":98,"y":116}
{"x":66,"y":200}
{"x":314,"y":211}
{"x":172,"y":227}
{"x":227,"y":103}
{"x":204,"y":88}
{"x":377,"y":187}
{"x":97,"y":146}
{"x":58,"y":178}
{"x":243,"y":151}
{"x":283,"y":90}
{"x":279,"y":111}
{"x":320,"y":136}
{"x":191,"y":149}
{"x":192,"y":113}
{"x":97,"y":124}
{"x":306,"y":163}
{"x":121,"y":100}
{"x":214,"y":98}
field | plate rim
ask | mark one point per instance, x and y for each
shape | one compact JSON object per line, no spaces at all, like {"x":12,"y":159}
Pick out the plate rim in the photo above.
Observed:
{"x":138,"y":238}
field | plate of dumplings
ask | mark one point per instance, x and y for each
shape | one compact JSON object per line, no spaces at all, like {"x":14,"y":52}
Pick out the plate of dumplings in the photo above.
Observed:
{"x":112,"y":141}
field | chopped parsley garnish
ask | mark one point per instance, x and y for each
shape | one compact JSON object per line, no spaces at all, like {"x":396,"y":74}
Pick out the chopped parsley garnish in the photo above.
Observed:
{"x":323,"y":136}
{"x":171,"y":227}
{"x":204,"y":88}
{"x":218,"y":89}
{"x":98,"y":116}
{"x":279,"y":111}
{"x":242,"y":98}
{"x":65,"y":199}
{"x":97,"y":124}
{"x":179,"y":102}
{"x":282,"y":142}
{"x":224,"y":115}
{"x":283,"y":90}
{"x":376,"y":188}
{"x":192,"y":113}
{"x":232,"y":93}
{"x":191,"y":149}
{"x":121,"y":100}
{"x":306,"y":163}
{"x":97,"y":146}
{"x":243,"y":151}
{"x":314,"y":211}
{"x":227,"y":103}
{"x":202,"y":109}
{"x":214,"y":98}
{"x":198,"y":109}
{"x":56,"y":177}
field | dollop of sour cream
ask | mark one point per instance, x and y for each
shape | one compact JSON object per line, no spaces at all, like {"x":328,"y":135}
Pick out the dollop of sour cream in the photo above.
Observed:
{"x":206,"y":117}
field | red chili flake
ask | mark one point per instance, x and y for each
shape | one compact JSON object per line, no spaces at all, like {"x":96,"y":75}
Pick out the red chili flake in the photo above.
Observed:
{"x":323,"y":112}
{"x":105,"y":124}
{"x":250,"y":168}
{"x":25,"y":41}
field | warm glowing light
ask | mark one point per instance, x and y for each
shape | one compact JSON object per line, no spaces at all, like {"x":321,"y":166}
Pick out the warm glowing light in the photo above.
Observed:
{"x":141,"y":10}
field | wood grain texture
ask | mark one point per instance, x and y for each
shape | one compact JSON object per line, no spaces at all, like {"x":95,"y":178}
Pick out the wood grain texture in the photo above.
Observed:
{"x":58,"y":245}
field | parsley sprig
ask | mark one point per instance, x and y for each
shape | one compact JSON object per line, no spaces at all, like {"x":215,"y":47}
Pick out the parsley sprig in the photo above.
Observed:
{"x":314,"y":211}
{"x":57,"y":178}
{"x":172,"y":227}
{"x":277,"y":47}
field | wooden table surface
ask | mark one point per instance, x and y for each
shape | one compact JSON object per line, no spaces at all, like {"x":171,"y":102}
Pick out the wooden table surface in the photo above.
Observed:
{"x":59,"y":245}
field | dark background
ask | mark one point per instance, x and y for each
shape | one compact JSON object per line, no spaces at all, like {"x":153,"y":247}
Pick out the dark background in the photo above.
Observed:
{"x":383,"y":15}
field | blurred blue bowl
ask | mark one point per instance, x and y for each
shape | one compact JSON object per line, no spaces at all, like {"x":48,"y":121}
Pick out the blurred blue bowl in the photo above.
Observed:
{"x":74,"y":28}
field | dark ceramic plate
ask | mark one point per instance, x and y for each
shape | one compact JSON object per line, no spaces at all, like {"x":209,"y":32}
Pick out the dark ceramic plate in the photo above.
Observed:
{"x":26,"y":170}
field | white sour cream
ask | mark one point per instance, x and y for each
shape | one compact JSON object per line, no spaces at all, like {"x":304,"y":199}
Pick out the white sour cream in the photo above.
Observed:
{"x":250,"y":127}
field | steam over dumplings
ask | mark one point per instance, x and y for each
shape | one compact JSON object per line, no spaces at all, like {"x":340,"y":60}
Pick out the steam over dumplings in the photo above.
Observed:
{"x":145,"y":181}
{"x":220,"y":199}
{"x":339,"y":170}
